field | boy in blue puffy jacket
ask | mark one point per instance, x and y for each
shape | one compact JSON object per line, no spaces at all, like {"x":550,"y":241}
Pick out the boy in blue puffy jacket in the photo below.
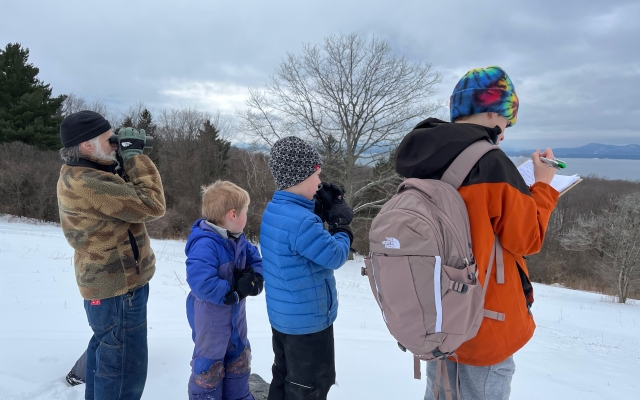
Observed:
{"x":222,"y":269}
{"x":299,"y":257}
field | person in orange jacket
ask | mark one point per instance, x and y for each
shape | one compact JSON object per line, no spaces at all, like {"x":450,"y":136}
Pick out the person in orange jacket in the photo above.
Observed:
{"x":482,"y":106}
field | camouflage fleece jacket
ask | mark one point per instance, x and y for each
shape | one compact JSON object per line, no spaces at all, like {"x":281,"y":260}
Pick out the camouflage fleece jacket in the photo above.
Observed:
{"x":102,"y":217}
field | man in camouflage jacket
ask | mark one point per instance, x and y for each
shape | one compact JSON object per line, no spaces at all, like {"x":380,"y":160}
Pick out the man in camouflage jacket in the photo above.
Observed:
{"x":102,"y":216}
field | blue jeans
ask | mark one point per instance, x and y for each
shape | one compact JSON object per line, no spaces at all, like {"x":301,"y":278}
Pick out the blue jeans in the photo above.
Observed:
{"x":117,"y":355}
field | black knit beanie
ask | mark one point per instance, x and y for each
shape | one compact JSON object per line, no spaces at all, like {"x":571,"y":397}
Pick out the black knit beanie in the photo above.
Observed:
{"x":82,"y":126}
{"x":292,"y":161}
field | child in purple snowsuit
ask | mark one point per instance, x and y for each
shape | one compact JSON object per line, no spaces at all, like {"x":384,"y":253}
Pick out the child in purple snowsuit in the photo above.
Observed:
{"x":222,"y":269}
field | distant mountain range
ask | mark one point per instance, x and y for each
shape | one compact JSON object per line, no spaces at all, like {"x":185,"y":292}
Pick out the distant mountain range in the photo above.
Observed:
{"x":591,"y":150}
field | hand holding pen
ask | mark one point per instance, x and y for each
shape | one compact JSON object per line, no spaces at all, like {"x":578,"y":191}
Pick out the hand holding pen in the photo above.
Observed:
{"x":555,"y":163}
{"x":542,"y":170}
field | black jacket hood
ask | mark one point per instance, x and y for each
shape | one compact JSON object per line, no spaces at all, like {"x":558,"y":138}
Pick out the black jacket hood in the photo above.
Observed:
{"x":428,"y":150}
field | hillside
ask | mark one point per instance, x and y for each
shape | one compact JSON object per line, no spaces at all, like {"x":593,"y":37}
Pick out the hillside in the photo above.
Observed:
{"x":584,"y":347}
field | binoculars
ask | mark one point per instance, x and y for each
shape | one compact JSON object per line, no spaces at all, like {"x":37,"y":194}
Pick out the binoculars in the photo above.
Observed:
{"x":113,"y":139}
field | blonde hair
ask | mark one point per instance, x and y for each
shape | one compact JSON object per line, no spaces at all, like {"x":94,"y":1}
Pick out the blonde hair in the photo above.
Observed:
{"x":220,"y":197}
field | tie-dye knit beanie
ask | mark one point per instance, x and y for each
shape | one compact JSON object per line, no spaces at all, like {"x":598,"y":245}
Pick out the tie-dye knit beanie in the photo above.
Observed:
{"x":485,"y":90}
{"x":292,"y":160}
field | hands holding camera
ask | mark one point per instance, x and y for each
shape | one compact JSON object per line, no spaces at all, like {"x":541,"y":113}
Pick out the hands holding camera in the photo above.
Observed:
{"x":247,"y":283}
{"x":333,"y":209}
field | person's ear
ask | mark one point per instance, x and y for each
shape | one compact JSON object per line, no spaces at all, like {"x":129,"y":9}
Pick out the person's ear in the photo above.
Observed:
{"x":86,"y":146}
{"x":232,"y":214}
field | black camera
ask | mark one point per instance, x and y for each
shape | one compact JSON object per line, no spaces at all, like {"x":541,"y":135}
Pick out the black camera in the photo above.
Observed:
{"x":113,"y":139}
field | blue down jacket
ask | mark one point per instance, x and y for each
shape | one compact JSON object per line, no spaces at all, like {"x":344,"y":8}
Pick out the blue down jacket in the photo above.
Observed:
{"x":217,"y":329}
{"x":299,"y":257}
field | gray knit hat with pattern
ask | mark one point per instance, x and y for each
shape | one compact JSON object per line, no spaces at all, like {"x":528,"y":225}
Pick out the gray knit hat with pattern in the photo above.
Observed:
{"x":292,"y":161}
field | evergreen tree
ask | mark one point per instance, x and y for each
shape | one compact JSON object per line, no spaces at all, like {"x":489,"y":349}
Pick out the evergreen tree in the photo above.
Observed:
{"x":28,"y":113}
{"x":127,"y":123}
{"x":145,"y":121}
{"x":215,"y":152}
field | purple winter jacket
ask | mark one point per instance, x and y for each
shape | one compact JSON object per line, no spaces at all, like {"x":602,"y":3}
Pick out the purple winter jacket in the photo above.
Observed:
{"x":217,"y":329}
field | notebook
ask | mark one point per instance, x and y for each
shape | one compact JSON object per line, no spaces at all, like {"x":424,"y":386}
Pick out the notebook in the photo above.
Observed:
{"x":561,"y":183}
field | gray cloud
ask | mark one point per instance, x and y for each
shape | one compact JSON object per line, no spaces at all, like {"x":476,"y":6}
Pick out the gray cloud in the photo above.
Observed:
{"x":575,"y":64}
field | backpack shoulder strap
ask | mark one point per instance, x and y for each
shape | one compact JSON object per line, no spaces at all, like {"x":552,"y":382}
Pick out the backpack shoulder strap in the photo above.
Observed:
{"x":496,"y":254}
{"x":461,"y":166}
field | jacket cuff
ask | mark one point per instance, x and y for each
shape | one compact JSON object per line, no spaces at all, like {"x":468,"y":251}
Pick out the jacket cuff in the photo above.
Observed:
{"x":544,"y":194}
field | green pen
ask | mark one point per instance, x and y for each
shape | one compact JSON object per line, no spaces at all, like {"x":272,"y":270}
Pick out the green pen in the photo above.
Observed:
{"x":555,"y":163}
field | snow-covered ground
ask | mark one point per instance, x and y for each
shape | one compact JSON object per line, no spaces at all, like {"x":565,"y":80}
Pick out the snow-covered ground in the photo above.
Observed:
{"x":585,"y":347}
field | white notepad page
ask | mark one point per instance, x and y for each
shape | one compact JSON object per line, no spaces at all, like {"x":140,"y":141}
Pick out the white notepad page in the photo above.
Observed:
{"x":559,"y":182}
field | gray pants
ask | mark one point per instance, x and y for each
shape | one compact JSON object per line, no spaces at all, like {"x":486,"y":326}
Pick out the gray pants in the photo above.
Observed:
{"x":80,"y":368}
{"x":476,"y":383}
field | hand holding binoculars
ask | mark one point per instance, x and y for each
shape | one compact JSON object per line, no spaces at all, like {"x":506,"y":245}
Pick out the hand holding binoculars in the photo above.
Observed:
{"x":328,"y":193}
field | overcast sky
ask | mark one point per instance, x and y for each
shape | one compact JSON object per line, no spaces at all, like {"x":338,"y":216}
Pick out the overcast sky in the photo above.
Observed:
{"x":575,"y":63}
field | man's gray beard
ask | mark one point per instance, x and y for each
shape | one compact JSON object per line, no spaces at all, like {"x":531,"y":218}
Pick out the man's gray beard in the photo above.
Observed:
{"x":103,"y":156}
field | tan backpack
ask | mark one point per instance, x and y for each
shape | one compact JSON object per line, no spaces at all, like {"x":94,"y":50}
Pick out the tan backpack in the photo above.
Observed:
{"x":421,"y":267}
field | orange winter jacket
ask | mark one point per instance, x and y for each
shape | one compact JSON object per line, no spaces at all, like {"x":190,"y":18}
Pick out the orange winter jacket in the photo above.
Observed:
{"x":499,"y":203}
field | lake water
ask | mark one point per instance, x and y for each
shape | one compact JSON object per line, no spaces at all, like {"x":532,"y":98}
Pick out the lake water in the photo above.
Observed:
{"x":604,"y":168}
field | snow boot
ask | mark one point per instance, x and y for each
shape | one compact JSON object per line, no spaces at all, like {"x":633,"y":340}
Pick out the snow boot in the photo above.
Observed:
{"x":73,"y":379}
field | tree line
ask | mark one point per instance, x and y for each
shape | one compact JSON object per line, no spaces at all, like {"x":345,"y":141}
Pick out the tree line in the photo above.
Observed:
{"x":354,"y":99}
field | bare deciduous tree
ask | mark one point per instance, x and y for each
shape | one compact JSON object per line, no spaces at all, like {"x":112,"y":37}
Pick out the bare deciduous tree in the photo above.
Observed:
{"x":192,"y":152}
{"x":382,"y":186}
{"x":133,"y":114}
{"x":613,"y":238}
{"x":73,"y":104}
{"x":250,"y":170}
{"x":27,"y":181}
{"x":347,"y":95}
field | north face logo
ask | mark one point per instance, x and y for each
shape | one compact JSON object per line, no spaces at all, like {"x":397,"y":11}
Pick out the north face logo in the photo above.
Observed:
{"x":391,"y":243}
{"x":125,"y":144}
